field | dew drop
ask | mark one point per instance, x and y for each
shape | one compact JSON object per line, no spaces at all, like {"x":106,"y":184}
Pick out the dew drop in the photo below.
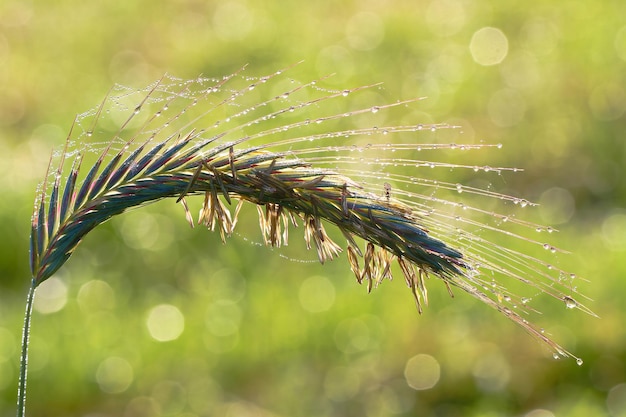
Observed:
{"x":570,"y":302}
{"x":556,"y":356}
{"x":375,"y":109}
{"x":459,"y":188}
{"x":137,"y":110}
{"x":546,"y":246}
{"x":499,"y":146}
{"x":345,"y":93}
{"x":579,"y":361}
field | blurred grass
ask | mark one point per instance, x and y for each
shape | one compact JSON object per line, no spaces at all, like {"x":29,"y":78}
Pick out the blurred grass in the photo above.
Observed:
{"x":564,"y":73}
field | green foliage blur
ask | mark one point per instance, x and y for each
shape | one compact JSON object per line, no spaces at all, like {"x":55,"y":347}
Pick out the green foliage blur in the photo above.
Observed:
{"x":268,"y":336}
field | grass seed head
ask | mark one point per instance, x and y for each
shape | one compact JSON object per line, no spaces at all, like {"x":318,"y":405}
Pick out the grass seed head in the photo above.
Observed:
{"x":299,"y":164}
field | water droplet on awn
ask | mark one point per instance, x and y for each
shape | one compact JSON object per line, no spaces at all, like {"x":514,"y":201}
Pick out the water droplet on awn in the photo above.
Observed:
{"x":570,"y":302}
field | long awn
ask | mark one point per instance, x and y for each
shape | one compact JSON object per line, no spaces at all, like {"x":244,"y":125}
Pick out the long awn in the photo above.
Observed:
{"x":298,"y":163}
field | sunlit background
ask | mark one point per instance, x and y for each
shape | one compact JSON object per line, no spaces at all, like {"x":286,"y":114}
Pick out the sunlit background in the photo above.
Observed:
{"x":150,"y":318}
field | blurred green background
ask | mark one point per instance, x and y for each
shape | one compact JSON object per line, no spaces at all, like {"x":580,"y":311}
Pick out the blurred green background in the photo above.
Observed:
{"x":546,"y":79}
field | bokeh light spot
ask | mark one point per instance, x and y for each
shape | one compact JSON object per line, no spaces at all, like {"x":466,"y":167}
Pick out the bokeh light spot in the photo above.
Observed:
{"x":51,"y":296}
{"x":359,"y":334}
{"x":489,"y":46}
{"x":492,"y":372}
{"x":422,"y":372}
{"x":317,"y":294}
{"x":95,"y":295}
{"x":142,"y":230}
{"x":557,"y":206}
{"x":165,"y":322}
{"x":521,"y":70}
{"x":616,"y":401}
{"x":539,"y":36}
{"x":613,"y":234}
{"x":142,"y":407}
{"x":539,"y":412}
{"x":114,"y":375}
{"x":223,"y":318}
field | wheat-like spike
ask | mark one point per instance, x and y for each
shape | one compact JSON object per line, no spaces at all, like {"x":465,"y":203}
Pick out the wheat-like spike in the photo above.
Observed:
{"x":220,"y":146}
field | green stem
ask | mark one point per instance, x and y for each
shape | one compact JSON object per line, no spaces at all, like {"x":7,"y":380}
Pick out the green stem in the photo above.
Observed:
{"x":21,"y":390}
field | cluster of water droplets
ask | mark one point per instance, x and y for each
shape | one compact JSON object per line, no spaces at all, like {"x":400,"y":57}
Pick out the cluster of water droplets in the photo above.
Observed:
{"x":323,"y":127}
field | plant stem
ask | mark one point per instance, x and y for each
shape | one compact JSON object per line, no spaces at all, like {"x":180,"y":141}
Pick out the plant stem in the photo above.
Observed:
{"x":21,"y":390}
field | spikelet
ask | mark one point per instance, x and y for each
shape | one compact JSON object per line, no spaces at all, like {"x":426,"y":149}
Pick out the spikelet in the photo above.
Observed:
{"x":299,"y":163}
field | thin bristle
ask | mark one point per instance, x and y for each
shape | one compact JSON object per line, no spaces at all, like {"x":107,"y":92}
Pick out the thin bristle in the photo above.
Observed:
{"x":299,"y":164}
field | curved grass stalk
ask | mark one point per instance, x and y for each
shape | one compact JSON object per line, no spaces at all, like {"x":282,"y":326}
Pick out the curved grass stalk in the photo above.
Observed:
{"x":205,"y":138}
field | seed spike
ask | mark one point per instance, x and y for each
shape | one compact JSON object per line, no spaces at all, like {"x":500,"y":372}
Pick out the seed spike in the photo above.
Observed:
{"x":231,"y":162}
{"x":188,"y":215}
{"x":295,"y":164}
{"x":191,"y":183}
